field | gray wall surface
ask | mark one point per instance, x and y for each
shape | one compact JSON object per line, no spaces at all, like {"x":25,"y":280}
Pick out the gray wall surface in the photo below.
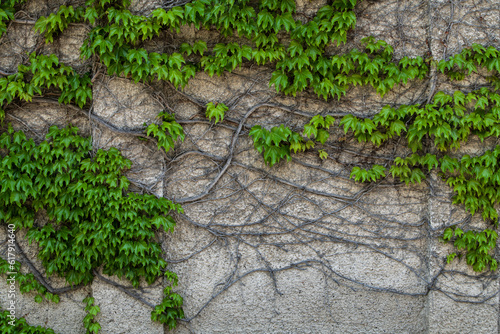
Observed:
{"x":299,"y":247}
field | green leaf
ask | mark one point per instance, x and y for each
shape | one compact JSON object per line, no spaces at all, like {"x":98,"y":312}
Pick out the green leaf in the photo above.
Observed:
{"x":459,"y":98}
{"x":329,"y":121}
{"x":448,"y":234}
{"x":273,"y":154}
{"x":482,"y":103}
{"x":216,"y":111}
{"x":310,"y":131}
{"x":430,"y":161}
{"x":377,"y":138}
{"x":450,"y":257}
{"x":322,"y":154}
{"x":265,"y":20}
{"x":397,"y":126}
{"x":442,"y":98}
{"x":278,"y":134}
{"x":377,"y":172}
{"x":317,"y":121}
{"x":200,"y":47}
{"x":175,"y":60}
{"x":257,"y":132}
{"x":295,"y":49}
{"x":349,"y":122}
{"x":280,"y":80}
{"x":322,"y":136}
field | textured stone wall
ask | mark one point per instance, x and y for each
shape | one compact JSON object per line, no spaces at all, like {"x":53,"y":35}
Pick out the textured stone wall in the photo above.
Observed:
{"x":296,"y":248}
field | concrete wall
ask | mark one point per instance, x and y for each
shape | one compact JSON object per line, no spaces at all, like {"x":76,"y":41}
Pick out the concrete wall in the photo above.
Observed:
{"x":296,"y":248}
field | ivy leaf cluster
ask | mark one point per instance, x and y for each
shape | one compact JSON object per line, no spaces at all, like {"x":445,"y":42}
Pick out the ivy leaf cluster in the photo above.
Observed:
{"x":20,"y":326}
{"x":300,"y":65}
{"x":318,"y":128}
{"x":448,"y":121}
{"x":42,"y":74}
{"x":410,"y":169}
{"x":475,"y":245}
{"x":469,"y":60}
{"x":299,"y":58}
{"x":170,"y":309}
{"x":373,"y":174}
{"x":476,"y":181}
{"x":167,"y":133}
{"x":59,"y":21}
{"x":91,"y":326}
{"x":28,"y":282}
{"x":7,"y":10}
{"x":216,"y":111}
{"x":330,"y":77}
{"x":93,"y":222}
{"x":384,"y":125}
{"x":274,"y":144}
{"x":279,"y":142}
{"x":60,"y":177}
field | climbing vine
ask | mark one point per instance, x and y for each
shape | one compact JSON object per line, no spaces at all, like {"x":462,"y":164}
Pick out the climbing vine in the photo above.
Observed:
{"x":95,"y":223}
{"x":92,"y":310}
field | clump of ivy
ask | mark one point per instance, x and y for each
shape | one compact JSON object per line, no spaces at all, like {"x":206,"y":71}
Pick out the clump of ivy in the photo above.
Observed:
{"x":167,"y":133}
{"x":279,"y":142}
{"x":94,"y":223}
{"x":477,"y":246}
{"x":298,"y":54}
{"x":169,"y":310}
{"x":449,"y":120}
{"x":44,"y":73}
{"x":7,"y":10}
{"x":91,"y":326}
{"x":20,"y":326}
{"x":27,"y":282}
{"x":274,"y":144}
{"x":59,"y":21}
{"x":216,"y":111}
